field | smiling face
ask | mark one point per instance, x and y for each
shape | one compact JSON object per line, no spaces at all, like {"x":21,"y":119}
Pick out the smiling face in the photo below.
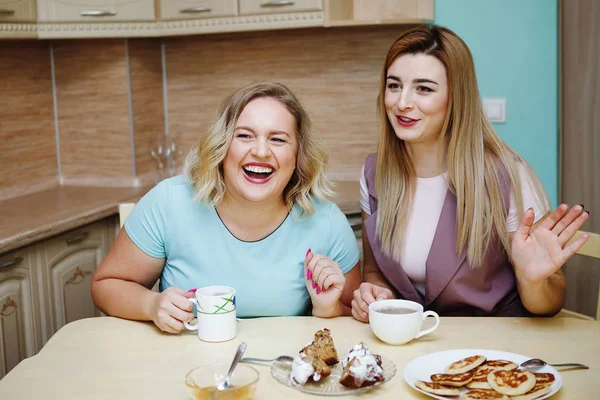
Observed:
{"x":416,"y":98}
{"x":262,"y":156}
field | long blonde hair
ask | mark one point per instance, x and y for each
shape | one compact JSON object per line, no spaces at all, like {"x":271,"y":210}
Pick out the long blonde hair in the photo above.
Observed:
{"x":203,"y":165}
{"x":475,"y":157}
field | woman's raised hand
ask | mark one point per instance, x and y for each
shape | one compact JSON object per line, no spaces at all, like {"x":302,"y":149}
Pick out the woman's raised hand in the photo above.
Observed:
{"x":366,"y":294}
{"x":539,"y":252}
{"x":170,"y":308}
{"x":325,"y":283}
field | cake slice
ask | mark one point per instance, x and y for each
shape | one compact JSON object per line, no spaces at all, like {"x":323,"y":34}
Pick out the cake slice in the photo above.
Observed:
{"x":313,"y":361}
{"x":361,"y":368}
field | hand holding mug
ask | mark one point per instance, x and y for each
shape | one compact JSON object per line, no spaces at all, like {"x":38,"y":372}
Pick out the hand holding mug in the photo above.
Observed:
{"x":366,"y":294}
{"x":325,"y":283}
{"x":215,"y":313}
{"x":170,"y":309}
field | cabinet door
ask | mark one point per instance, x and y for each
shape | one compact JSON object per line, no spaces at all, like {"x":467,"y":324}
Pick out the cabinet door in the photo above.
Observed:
{"x":17,"y":10}
{"x":70,"y":261}
{"x":249,"y":7}
{"x":18,"y":311}
{"x":96,"y":10}
{"x":188,"y":9}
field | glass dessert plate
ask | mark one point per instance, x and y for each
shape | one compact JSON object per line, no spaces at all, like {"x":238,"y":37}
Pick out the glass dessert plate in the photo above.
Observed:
{"x":330,"y":385}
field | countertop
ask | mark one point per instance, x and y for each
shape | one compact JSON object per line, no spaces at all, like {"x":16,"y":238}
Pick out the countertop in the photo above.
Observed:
{"x":40,"y":215}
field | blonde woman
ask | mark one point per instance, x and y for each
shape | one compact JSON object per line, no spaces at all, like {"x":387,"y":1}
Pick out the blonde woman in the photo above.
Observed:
{"x":453,"y":218}
{"x":250,"y":212}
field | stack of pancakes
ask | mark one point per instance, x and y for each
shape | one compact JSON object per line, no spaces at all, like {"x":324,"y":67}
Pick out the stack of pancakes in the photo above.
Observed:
{"x":488,"y":379}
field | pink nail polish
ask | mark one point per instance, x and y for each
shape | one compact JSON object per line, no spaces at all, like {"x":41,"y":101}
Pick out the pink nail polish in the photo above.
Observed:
{"x":314,"y":285}
{"x":309,"y":275}
{"x":318,"y":290}
{"x":307,"y":253}
{"x":192,"y":290}
{"x":323,"y":289}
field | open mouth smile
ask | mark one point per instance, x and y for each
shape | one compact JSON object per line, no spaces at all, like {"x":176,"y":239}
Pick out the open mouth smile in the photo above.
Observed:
{"x":258,"y":173}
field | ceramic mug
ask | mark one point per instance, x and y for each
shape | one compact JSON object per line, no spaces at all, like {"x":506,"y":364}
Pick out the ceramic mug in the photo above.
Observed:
{"x":399,"y":321}
{"x":215,"y":313}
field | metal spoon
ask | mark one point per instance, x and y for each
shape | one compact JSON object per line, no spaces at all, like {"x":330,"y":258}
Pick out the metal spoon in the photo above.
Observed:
{"x":536,"y":363}
{"x":236,"y":359}
{"x":281,"y":359}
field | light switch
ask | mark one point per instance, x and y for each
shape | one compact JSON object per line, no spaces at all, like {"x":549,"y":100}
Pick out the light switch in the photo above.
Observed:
{"x":495,"y":109}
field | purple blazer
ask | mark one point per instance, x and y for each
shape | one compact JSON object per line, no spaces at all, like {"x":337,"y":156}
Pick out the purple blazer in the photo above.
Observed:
{"x":452,"y":286}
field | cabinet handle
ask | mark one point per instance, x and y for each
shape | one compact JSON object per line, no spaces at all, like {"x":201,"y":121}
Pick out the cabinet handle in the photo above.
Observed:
{"x":277,"y":3}
{"x":77,"y":238}
{"x":194,"y":10}
{"x":10,"y":263}
{"x":98,"y":13}
{"x":5,"y":11}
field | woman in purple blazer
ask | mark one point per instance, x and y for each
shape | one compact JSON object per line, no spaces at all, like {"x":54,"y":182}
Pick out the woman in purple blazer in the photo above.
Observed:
{"x":453,"y":218}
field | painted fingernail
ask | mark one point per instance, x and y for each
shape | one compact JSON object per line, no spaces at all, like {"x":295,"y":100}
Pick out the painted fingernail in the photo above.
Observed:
{"x":307,"y":253}
{"x":314,"y":285}
{"x":587,"y":212}
{"x":318,"y":290}
{"x":309,"y":275}
{"x":582,"y":206}
{"x":192,"y":290}
{"x":323,"y":289}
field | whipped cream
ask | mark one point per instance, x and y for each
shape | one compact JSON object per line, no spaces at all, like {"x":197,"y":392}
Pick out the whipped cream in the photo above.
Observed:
{"x":366,"y":363}
{"x":302,"y":370}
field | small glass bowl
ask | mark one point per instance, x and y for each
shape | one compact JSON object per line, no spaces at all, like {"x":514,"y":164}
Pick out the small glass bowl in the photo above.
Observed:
{"x":203,"y":382}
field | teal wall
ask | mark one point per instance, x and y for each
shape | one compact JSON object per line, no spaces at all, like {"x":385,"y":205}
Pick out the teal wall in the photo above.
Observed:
{"x":515,"y":47}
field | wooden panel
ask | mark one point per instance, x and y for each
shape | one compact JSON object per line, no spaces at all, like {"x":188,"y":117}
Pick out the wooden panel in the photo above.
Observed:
{"x":334,"y":72}
{"x":96,"y":10}
{"x":147,"y":97}
{"x":185,"y":9}
{"x":27,"y":122}
{"x":93,"y":109}
{"x":249,"y":7}
{"x":580,"y":138}
{"x":17,"y":10}
{"x":20,"y":333}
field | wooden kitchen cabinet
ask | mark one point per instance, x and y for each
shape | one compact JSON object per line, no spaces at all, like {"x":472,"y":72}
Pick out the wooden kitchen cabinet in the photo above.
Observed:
{"x":95,"y":10}
{"x":20,"y":327}
{"x":378,"y":12}
{"x":17,"y":10}
{"x":66,"y":265}
{"x":193,"y":9}
{"x":254,"y":7}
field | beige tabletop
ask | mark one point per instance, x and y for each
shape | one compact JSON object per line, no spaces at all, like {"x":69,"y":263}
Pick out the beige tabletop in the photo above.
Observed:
{"x":109,"y":358}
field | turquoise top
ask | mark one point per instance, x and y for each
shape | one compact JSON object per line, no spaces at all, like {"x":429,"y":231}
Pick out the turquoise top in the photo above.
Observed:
{"x":268,"y":274}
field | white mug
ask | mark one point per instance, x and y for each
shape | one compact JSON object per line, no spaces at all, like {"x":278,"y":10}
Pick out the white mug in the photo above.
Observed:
{"x":215,"y":313}
{"x":399,"y":321}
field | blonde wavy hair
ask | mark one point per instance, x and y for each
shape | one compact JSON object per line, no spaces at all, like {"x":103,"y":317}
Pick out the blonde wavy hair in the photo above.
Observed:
{"x":474,"y":155}
{"x":203,"y":166}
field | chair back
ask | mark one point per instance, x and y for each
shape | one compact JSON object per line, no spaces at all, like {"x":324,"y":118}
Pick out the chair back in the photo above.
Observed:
{"x":591,"y":248}
{"x":124,"y":210}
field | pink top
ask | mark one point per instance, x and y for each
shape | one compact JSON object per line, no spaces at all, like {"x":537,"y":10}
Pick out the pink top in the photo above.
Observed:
{"x":424,"y":217}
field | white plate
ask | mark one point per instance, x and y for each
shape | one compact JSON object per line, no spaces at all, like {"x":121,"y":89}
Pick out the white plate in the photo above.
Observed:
{"x":421,"y":368}
{"x":330,"y":386}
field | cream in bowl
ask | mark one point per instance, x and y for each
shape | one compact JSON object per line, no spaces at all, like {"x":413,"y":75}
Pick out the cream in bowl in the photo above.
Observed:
{"x":203,"y":382}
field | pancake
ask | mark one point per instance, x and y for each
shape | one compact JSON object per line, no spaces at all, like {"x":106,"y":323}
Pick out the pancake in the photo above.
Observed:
{"x":453,"y":379}
{"x":465,"y":365}
{"x":483,"y":394}
{"x":543,"y":378}
{"x":435,"y":388}
{"x":512,"y":383}
{"x":501,"y":364}
{"x":537,"y":391}
{"x":479,"y":380}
